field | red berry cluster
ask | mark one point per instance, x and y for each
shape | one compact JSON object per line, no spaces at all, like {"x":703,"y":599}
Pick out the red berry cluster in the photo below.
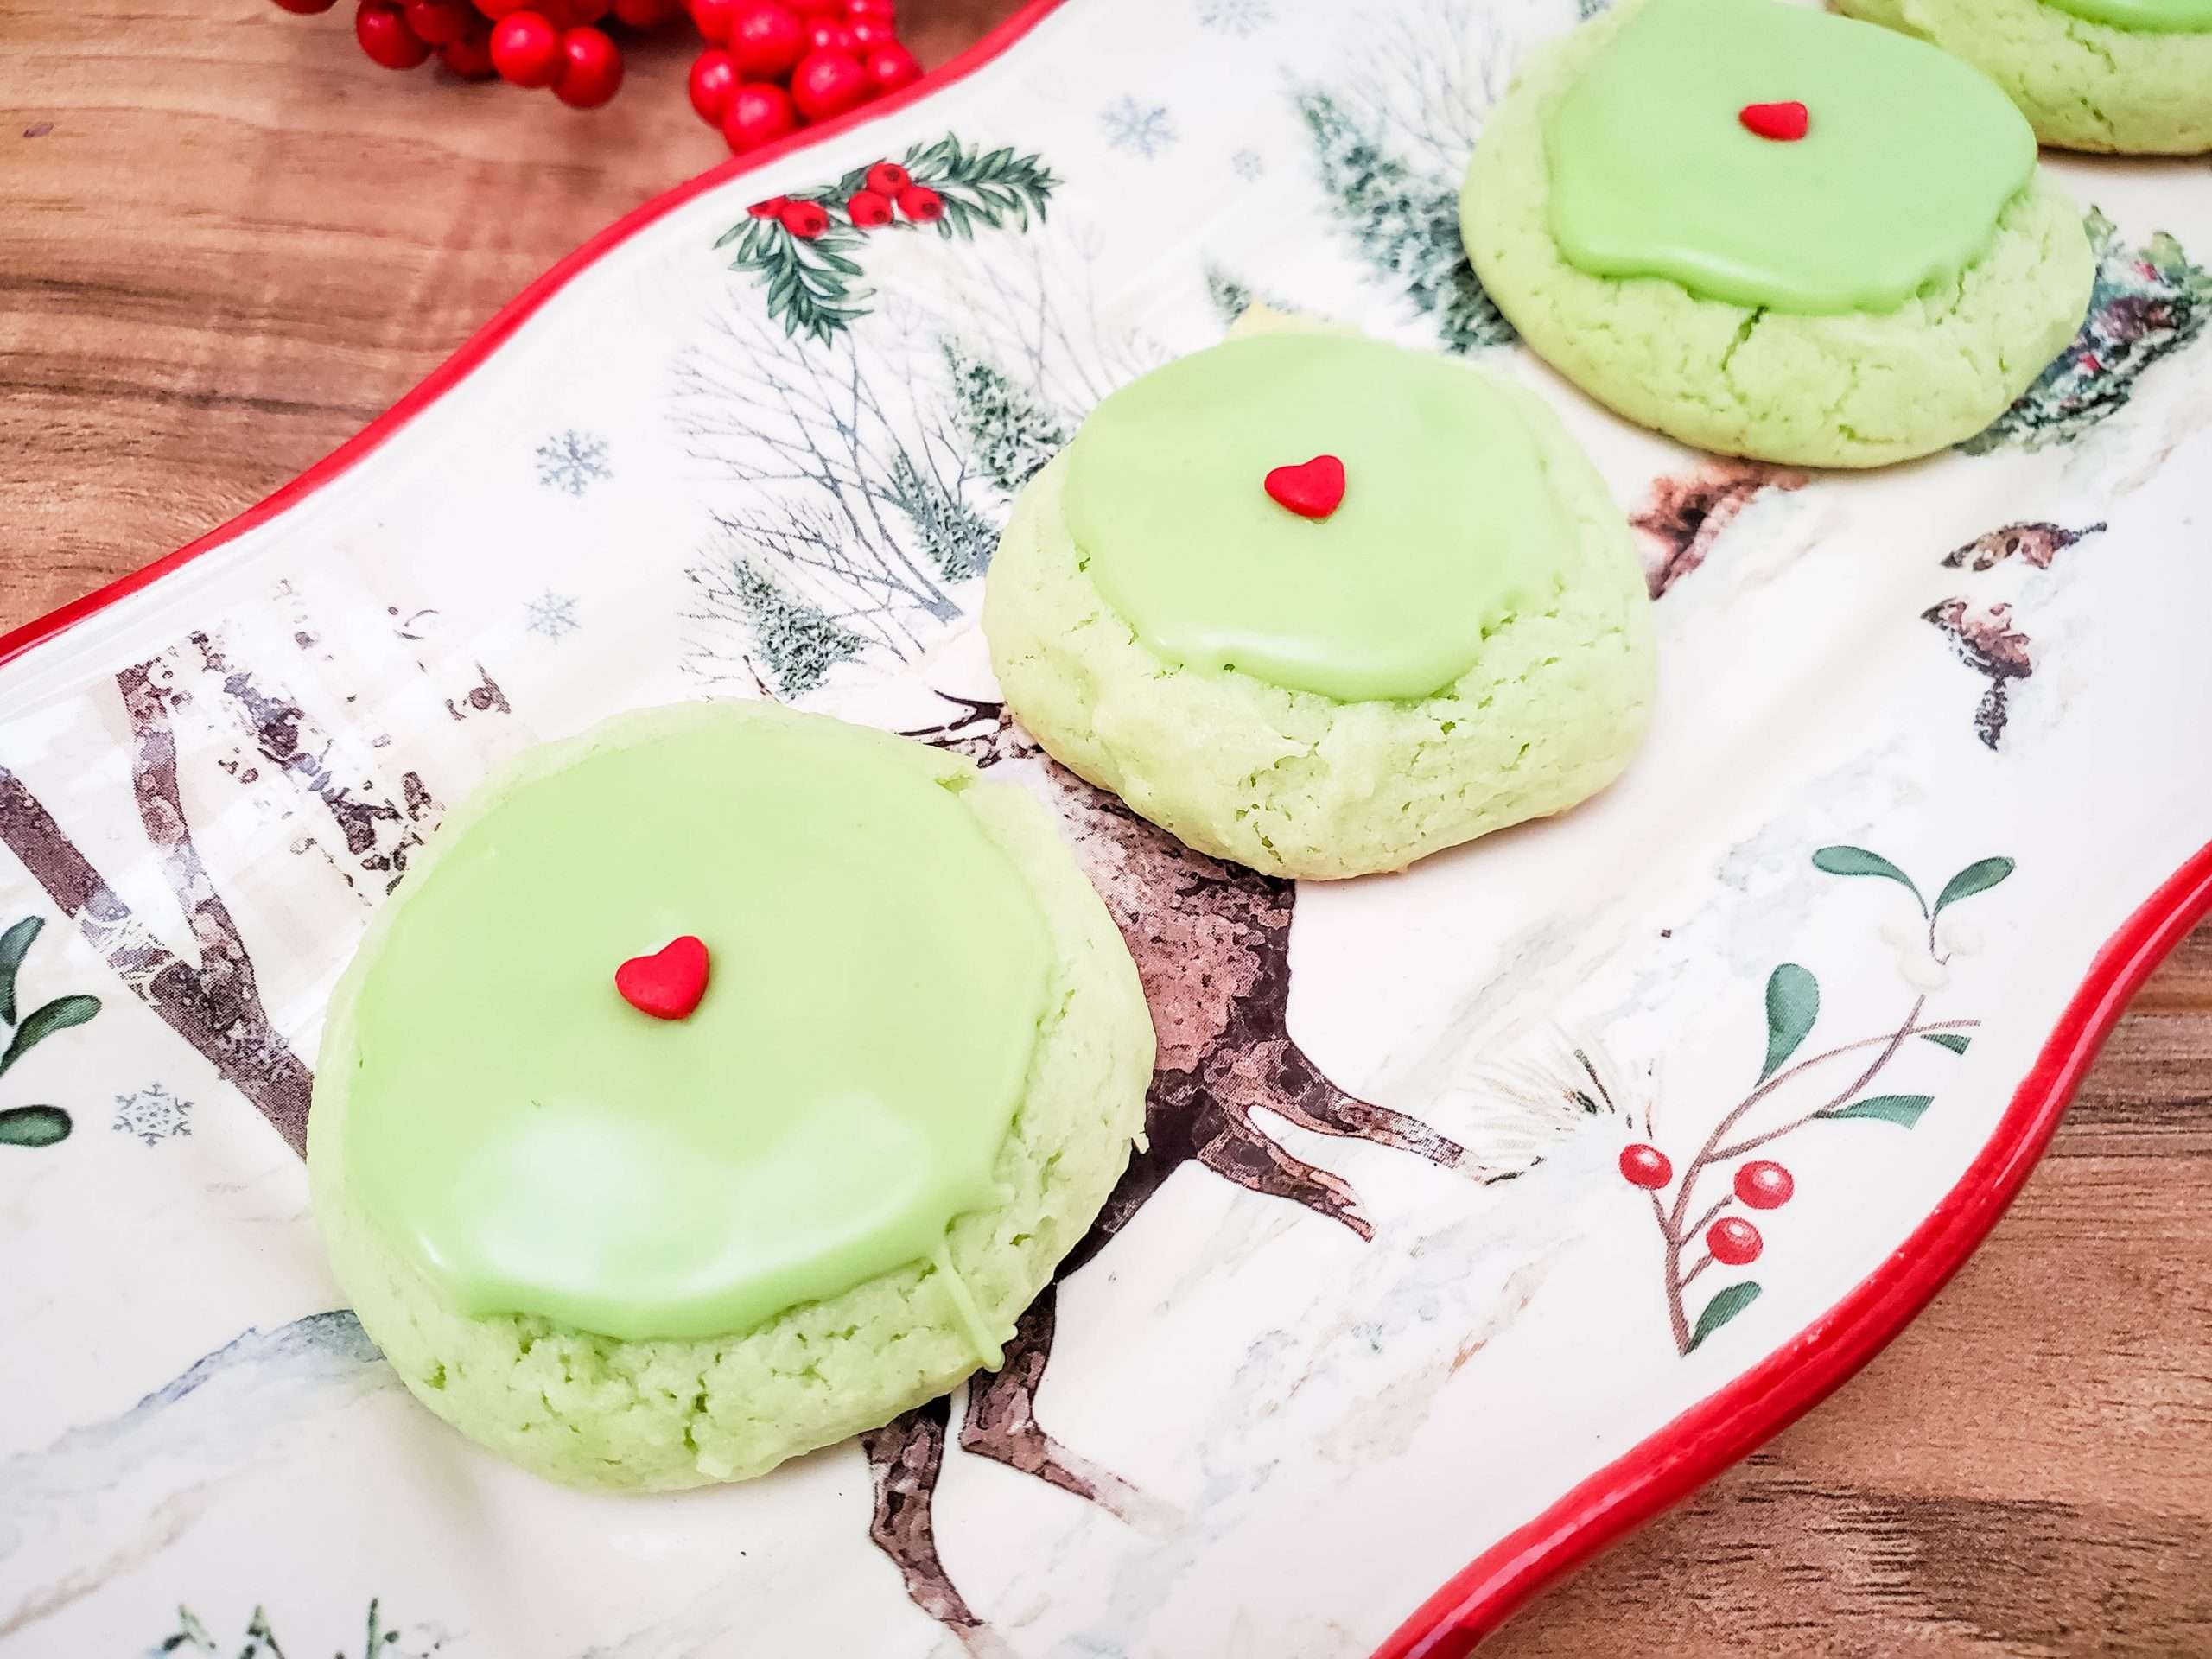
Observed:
{"x":1760,"y":1184}
{"x":889,"y":193}
{"x":771,"y":66}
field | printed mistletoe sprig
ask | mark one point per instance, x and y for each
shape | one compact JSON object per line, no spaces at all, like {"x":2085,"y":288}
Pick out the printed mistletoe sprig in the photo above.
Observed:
{"x":802,"y":246}
{"x":1793,"y":1006}
{"x":33,"y":1126}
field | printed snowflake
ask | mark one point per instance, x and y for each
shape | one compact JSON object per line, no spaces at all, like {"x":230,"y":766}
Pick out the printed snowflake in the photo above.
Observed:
{"x":553,"y":615}
{"x":1247,"y":164}
{"x":1145,"y":129}
{"x":153,"y":1114}
{"x":1242,"y":17}
{"x":573,"y":462}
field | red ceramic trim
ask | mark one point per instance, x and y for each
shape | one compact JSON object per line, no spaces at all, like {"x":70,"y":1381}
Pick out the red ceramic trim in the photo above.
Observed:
{"x":1820,"y":1359}
{"x":1710,"y":1436}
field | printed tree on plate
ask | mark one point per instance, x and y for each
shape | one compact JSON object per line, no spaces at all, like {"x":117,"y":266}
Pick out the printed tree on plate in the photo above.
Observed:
{"x":1791,"y":1095}
{"x":804,"y":249}
{"x":876,"y":471}
{"x":379,"y":1640}
{"x":32,"y":1126}
{"x":2149,"y":303}
{"x":1391,"y":149}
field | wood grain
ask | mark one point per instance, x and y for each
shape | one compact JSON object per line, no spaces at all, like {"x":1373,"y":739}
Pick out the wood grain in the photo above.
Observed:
{"x":231,"y":241}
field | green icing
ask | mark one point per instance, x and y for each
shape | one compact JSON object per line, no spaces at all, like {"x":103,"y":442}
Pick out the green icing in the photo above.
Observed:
{"x":878,"y":971}
{"x":1448,"y":526}
{"x":2145,"y":16}
{"x":1911,"y":156}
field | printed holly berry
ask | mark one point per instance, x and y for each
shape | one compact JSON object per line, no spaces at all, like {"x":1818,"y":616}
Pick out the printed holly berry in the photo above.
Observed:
{"x":1733,"y":1241}
{"x":769,"y":208}
{"x":526,"y":49}
{"x":384,"y":34}
{"x":1645,"y":1166}
{"x":591,"y":69}
{"x":804,"y":219}
{"x":767,"y":41}
{"x":759,"y":114}
{"x":828,"y":84}
{"x":1763,"y":1185}
{"x":868,"y":209}
{"x":713,"y":82}
{"x":891,"y":67}
{"x":888,"y":178}
{"x":921,"y":204}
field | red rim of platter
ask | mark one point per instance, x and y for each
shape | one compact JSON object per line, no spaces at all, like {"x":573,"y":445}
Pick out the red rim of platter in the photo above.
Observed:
{"x":1725,"y":1426}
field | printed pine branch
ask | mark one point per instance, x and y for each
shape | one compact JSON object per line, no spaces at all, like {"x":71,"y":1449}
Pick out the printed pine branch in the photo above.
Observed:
{"x":958,"y":540}
{"x":2148,"y":303}
{"x":1405,"y":224}
{"x":813,"y":285}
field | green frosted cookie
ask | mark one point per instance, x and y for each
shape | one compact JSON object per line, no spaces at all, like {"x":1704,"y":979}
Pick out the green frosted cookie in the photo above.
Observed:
{"x":646,"y":1218}
{"x":1769,"y":232}
{"x":2121,"y":77}
{"x":1323,"y":673}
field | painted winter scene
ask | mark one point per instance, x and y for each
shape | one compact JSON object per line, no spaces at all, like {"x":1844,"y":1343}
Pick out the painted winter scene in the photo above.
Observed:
{"x":1459,"y":1187}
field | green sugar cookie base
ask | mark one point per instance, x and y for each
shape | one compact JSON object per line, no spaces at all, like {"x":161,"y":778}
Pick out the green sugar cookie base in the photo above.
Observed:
{"x":1857,"y":389}
{"x":2082,"y":85}
{"x":594,"y":1411}
{"x":1299,"y":784}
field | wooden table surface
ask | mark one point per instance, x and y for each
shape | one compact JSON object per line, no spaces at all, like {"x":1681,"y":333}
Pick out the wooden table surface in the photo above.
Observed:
{"x":227,"y":241}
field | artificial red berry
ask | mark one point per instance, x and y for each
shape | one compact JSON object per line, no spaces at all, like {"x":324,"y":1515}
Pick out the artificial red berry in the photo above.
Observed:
{"x":306,"y":8}
{"x":384,"y":34}
{"x":921,"y":204}
{"x":767,"y":41}
{"x":771,"y":207}
{"x":1645,"y":1166}
{"x":825,"y":35}
{"x":890,"y":67}
{"x":883,"y":10}
{"x":439,"y":23}
{"x":869,"y":208}
{"x":713,"y":81}
{"x":1733,"y":1241}
{"x":816,"y":8}
{"x":758,"y":114}
{"x":496,"y":9}
{"x":1764,"y":1184}
{"x":715,"y":18}
{"x":646,"y":14}
{"x":888,"y":178}
{"x":470,"y":58}
{"x":871,"y":33}
{"x":526,"y":49}
{"x":828,"y":84}
{"x":804,"y":218}
{"x":577,"y":13}
{"x":591,"y":69}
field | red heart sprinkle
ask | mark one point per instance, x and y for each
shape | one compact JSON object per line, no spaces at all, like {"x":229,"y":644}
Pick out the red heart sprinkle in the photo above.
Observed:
{"x":1785,"y":123}
{"x":667,"y":984}
{"x":1313,"y":491}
